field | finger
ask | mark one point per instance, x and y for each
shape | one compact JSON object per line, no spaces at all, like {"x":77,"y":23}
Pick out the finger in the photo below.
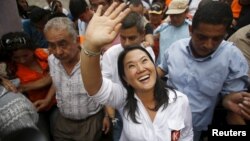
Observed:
{"x":116,"y":30}
{"x":234,"y":107}
{"x":13,"y":89}
{"x":36,"y":104}
{"x":106,"y":131}
{"x":246,"y":104}
{"x":245,"y":115}
{"x":118,"y":11}
{"x":99,"y":10}
{"x":246,"y":95}
{"x":122,"y":15}
{"x":244,"y":108}
{"x":39,"y":107}
{"x":110,"y":9}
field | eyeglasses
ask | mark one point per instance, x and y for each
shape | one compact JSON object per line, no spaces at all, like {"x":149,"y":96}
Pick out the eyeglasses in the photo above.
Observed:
{"x":6,"y":43}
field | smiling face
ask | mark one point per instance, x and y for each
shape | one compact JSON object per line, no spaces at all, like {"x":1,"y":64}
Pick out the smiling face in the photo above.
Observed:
{"x":139,"y":70}
{"x":206,"y":38}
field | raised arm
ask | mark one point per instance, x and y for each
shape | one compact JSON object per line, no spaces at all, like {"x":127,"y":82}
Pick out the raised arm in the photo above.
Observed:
{"x":101,"y":31}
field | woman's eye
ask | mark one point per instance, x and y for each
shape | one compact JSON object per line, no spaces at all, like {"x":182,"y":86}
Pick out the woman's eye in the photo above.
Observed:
{"x":131,"y":66}
{"x":144,"y":60}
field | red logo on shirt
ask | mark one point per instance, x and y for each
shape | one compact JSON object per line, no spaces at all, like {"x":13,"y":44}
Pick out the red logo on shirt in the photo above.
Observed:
{"x":175,"y":135}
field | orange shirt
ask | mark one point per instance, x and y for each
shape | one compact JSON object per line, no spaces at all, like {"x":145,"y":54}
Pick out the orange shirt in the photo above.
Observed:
{"x":167,"y":2}
{"x":26,"y":75}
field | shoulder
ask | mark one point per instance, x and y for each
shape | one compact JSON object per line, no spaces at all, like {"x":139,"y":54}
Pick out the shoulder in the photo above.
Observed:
{"x":116,"y":49}
{"x":227,"y":47}
{"x":161,"y":27}
{"x":180,"y":44}
{"x":175,"y":95}
{"x":41,"y":54}
{"x":52,"y":60}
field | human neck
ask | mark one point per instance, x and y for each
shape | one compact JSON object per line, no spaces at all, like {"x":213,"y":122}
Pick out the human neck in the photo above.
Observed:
{"x":69,"y":65}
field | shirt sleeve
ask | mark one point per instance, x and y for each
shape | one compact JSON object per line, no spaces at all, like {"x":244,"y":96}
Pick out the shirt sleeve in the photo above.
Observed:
{"x":187,"y":131}
{"x":164,"y":62}
{"x":111,"y":94}
{"x":237,"y":79}
{"x":106,"y":66}
{"x":149,"y":29}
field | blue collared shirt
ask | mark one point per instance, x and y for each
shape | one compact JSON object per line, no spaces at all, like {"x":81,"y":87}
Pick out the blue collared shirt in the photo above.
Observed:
{"x":169,"y":34}
{"x":203,"y":79}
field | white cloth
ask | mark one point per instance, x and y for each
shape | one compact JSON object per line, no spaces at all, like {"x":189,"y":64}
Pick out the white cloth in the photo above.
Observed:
{"x":193,"y":7}
{"x":177,"y":115}
{"x":72,"y":99}
{"x":65,"y":11}
{"x":81,"y":27}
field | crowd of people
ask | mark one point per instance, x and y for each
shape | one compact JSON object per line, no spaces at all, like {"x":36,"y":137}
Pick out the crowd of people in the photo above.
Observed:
{"x":119,"y":70}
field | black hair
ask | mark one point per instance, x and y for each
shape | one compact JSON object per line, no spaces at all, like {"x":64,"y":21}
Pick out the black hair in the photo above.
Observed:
{"x":21,"y":11}
{"x":38,"y":14}
{"x":11,"y":42}
{"x":77,"y":7}
{"x":53,"y":6}
{"x":135,"y":2}
{"x":213,"y":12}
{"x":133,"y":19}
{"x":16,"y":40}
{"x":55,"y":15}
{"x":161,"y":90}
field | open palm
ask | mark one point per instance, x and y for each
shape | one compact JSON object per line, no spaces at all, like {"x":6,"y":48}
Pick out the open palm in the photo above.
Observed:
{"x":103,"y":29}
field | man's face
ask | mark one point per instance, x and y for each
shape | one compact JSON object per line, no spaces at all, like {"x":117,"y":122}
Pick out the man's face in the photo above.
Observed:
{"x":86,"y":16}
{"x":95,"y":3}
{"x":177,"y":19}
{"x":62,"y":45}
{"x":206,"y":38}
{"x":155,"y":19}
{"x":131,"y":36}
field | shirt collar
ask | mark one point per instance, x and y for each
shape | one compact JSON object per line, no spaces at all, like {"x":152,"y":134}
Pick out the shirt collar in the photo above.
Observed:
{"x":205,"y":58}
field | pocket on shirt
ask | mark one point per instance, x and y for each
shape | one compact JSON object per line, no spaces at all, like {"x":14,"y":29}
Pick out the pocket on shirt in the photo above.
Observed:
{"x":175,"y":124}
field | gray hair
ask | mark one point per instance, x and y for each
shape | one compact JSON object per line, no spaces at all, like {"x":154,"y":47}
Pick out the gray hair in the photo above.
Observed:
{"x":134,"y":19}
{"x":61,"y":23}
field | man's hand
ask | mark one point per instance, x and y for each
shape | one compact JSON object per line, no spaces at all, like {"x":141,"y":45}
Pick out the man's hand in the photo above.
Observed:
{"x":238,"y":103}
{"x":9,"y":85}
{"x":106,"y":125}
{"x":41,"y":104}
